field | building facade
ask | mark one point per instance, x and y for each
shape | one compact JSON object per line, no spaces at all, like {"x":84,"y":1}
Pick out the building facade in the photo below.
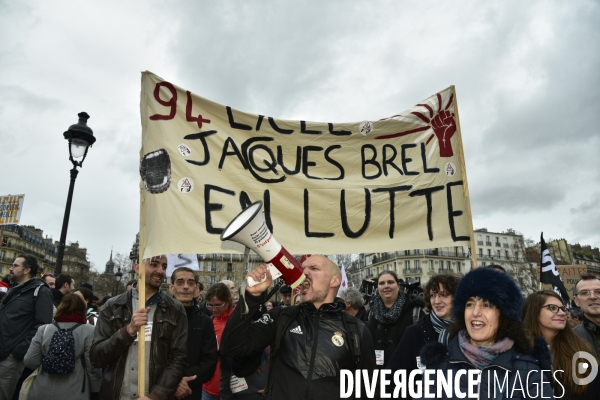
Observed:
{"x":28,"y":240}
{"x":411,"y":265}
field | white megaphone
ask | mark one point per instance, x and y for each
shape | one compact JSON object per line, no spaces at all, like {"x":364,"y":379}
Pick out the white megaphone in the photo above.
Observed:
{"x":250,"y":229}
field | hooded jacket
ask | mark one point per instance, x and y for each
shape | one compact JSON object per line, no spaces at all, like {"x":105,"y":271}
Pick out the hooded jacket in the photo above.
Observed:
{"x":387,"y":336}
{"x":527,"y":376}
{"x":311,"y":353}
{"x":22,"y":311}
{"x":168,"y":350}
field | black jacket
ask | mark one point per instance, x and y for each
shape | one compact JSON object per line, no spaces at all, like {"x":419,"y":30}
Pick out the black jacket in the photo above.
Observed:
{"x":21,"y":313}
{"x":521,"y":371}
{"x":56,"y":296}
{"x":168,"y":350}
{"x":308,"y":363}
{"x":202,"y":350}
{"x":415,"y":337}
{"x":387,"y":336}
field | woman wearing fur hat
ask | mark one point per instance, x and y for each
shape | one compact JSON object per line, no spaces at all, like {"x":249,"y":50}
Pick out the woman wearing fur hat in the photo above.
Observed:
{"x":391,"y":313}
{"x":544,"y":315}
{"x":488,"y":336}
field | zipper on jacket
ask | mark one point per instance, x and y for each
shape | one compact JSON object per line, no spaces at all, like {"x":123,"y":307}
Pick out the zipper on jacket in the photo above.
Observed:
{"x":311,"y":366}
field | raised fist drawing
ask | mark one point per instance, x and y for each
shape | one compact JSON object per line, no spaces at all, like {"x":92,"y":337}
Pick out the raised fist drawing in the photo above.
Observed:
{"x":444,"y":126}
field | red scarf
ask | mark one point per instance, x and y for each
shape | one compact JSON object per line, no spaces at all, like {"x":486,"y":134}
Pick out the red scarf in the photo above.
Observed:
{"x":72,"y":317}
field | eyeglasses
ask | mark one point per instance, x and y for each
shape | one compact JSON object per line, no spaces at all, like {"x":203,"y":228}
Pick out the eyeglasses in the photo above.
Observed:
{"x":554,"y":308}
{"x":213,"y":307}
{"x":586,"y":293}
{"x":441,"y":295}
{"x":15,"y":266}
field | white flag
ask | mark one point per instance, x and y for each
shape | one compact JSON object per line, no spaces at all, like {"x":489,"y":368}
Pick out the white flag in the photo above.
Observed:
{"x":344,"y":284}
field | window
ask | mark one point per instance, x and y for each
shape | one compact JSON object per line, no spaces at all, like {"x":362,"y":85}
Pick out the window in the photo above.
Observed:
{"x":483,"y":264}
{"x":201,"y":265}
{"x":407,"y":265}
{"x":229,"y":268}
{"x":489,"y":252}
{"x":417,"y":251}
{"x":480,"y":252}
{"x":431,"y":265}
{"x":407,"y":252}
{"x":498,"y":253}
{"x":441,"y":266}
{"x":417,"y":265}
{"x":458,"y":267}
{"x":448,"y":265}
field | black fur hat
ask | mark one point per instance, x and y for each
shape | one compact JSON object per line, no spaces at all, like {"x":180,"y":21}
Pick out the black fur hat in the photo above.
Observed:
{"x":496,"y":287}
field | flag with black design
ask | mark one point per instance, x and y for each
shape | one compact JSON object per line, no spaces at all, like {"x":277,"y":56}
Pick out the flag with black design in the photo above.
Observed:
{"x":549,"y":273}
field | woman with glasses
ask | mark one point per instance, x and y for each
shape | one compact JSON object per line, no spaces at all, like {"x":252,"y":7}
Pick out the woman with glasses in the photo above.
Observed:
{"x":439,"y":293}
{"x":220,"y":304}
{"x":544,"y":315}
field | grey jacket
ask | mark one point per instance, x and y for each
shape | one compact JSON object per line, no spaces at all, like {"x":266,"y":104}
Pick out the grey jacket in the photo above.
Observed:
{"x":587,"y":331}
{"x":22,"y":311}
{"x":53,"y":386}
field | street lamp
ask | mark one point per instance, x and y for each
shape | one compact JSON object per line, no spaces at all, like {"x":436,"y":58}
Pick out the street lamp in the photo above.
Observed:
{"x":118,"y":276}
{"x":80,"y":138}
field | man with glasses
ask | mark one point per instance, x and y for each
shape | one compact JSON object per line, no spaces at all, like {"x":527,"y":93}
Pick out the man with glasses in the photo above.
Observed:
{"x":26,"y":306}
{"x":587,"y":298}
{"x":166,"y":337}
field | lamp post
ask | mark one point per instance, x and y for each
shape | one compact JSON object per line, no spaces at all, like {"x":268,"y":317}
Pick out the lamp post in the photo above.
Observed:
{"x":118,"y":276}
{"x":80,"y":138}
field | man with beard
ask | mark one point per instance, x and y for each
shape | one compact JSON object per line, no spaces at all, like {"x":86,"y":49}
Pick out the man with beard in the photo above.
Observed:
{"x":26,"y":306}
{"x":310,"y":343}
{"x":166,"y":331}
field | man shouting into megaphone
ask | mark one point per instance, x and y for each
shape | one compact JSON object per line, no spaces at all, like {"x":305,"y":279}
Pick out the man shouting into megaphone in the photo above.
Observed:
{"x":310,"y":343}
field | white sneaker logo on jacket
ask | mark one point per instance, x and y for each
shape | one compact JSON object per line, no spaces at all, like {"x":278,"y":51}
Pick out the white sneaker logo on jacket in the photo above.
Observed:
{"x":296,"y":330}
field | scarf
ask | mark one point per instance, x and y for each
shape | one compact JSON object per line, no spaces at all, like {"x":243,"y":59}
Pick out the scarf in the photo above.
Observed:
{"x":482,"y":356}
{"x":441,"y":327}
{"x":387,"y":315}
{"x":72,"y":317}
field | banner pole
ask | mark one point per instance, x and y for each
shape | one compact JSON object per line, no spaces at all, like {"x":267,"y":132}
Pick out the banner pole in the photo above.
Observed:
{"x":463,"y":168}
{"x":142,"y":330}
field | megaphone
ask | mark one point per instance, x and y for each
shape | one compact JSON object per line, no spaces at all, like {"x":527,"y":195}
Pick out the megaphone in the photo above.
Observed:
{"x":250,"y":229}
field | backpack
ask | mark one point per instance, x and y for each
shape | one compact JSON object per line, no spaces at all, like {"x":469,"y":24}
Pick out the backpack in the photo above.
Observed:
{"x":60,"y":359}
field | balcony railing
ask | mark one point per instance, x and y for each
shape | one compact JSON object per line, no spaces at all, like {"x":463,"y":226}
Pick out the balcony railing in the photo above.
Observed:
{"x":488,"y":243}
{"x":498,"y":244}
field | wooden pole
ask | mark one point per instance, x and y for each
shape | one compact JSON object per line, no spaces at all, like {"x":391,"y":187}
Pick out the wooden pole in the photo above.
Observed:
{"x":463,"y":168}
{"x":142,"y":331}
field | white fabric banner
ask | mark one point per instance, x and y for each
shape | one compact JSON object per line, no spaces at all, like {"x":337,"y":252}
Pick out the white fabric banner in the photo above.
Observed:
{"x":394,"y":183}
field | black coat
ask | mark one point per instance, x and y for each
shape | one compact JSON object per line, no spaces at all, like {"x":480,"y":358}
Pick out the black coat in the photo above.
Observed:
{"x":22,"y":312}
{"x":387,"y":336}
{"x":309,"y":361}
{"x":202,"y":350}
{"x":415,"y":337}
{"x":520,"y":370}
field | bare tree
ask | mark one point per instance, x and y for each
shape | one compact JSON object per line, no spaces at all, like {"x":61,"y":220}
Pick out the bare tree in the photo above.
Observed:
{"x":522,"y":264}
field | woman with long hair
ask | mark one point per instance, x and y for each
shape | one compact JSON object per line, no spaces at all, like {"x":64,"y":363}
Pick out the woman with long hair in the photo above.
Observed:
{"x":220,"y":304}
{"x":392,"y":311}
{"x":544,"y":315}
{"x":488,"y":335}
{"x":82,"y":381}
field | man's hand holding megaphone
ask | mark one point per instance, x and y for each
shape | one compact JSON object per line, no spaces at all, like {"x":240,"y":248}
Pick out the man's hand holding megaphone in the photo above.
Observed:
{"x":258,"y":274}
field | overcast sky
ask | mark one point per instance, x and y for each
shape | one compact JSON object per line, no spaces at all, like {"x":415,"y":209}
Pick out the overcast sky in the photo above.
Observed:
{"x":527,"y":76}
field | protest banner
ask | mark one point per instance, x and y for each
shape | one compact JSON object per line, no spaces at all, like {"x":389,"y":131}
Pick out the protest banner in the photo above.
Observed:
{"x":11,"y":206}
{"x":570,"y":275}
{"x":395,"y":183}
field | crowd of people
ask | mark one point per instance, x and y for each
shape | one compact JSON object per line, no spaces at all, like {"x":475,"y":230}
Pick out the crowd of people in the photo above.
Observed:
{"x":60,"y":341}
